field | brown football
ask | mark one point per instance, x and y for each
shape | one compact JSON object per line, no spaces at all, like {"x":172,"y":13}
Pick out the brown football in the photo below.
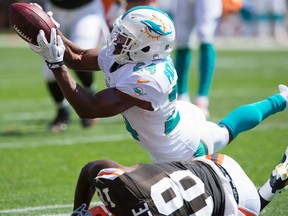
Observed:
{"x":27,"y":20}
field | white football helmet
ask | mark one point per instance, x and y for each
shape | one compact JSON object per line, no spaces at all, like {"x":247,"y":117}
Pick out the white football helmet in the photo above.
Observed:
{"x":142,"y":33}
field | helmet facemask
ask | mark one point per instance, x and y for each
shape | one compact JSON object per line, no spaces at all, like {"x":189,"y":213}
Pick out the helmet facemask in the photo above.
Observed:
{"x":119,"y":43}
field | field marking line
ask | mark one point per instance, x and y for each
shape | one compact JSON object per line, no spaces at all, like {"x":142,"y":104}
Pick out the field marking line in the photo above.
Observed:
{"x":97,"y":139}
{"x":66,"y":141}
{"x":38,"y":208}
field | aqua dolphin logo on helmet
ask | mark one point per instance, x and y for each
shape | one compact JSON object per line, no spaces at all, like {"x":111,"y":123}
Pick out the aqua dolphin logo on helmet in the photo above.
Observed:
{"x":155,"y":28}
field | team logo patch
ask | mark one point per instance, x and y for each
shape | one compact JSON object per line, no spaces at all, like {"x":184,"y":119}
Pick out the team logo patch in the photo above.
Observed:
{"x":155,"y":28}
{"x":109,"y":173}
{"x":139,"y":91}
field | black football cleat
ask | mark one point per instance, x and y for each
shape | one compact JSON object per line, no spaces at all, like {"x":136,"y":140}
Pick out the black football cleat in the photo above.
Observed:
{"x":61,"y":121}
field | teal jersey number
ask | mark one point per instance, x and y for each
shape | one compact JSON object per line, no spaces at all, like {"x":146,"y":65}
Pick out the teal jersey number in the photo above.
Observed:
{"x":151,"y":67}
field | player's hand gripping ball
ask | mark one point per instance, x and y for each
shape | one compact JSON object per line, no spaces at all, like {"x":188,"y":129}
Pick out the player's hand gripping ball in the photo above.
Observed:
{"x":231,"y":6}
{"x":28,"y":19}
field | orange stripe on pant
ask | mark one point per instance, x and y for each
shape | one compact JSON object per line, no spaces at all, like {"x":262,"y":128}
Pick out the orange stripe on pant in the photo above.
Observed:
{"x":216,"y":158}
{"x":246,"y":213}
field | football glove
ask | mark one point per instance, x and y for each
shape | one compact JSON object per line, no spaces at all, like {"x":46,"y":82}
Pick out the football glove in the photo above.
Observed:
{"x":53,"y":52}
{"x":81,"y":211}
{"x":279,"y":176}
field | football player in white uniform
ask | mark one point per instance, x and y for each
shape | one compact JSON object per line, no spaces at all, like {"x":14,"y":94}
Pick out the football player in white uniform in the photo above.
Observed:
{"x":141,"y":85}
{"x":211,"y":185}
{"x":201,"y":17}
{"x":271,"y":20}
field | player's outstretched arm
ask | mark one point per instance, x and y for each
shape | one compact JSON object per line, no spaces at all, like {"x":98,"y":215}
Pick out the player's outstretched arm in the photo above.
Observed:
{"x":77,"y":58}
{"x":108,"y":102}
{"x":105,"y":103}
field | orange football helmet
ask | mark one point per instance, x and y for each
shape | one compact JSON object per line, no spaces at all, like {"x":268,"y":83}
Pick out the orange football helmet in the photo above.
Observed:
{"x":100,"y":211}
{"x":231,"y":6}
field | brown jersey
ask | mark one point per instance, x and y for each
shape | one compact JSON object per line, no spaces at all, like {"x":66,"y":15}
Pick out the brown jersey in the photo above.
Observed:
{"x":176,"y":188}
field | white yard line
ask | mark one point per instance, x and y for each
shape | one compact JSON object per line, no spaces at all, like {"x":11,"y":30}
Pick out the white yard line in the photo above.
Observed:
{"x":20,"y":116}
{"x":40,"y":208}
{"x":66,"y":141}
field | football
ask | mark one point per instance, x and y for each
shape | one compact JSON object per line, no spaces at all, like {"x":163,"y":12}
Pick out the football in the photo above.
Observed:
{"x":28,"y":19}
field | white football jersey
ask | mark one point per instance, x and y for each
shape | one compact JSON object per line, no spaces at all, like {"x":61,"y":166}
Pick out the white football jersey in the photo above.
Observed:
{"x":173,"y":130}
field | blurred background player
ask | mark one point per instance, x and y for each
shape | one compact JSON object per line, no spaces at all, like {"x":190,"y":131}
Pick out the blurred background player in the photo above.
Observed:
{"x":134,"y":3}
{"x":167,"y":6}
{"x":83,"y":22}
{"x":247,"y":18}
{"x":231,"y":6}
{"x":204,"y":17}
{"x":210,"y":185}
{"x":115,"y":8}
{"x":271,"y":20}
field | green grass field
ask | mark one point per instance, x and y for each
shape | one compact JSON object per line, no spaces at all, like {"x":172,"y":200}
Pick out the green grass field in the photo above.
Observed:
{"x":39,"y":169}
